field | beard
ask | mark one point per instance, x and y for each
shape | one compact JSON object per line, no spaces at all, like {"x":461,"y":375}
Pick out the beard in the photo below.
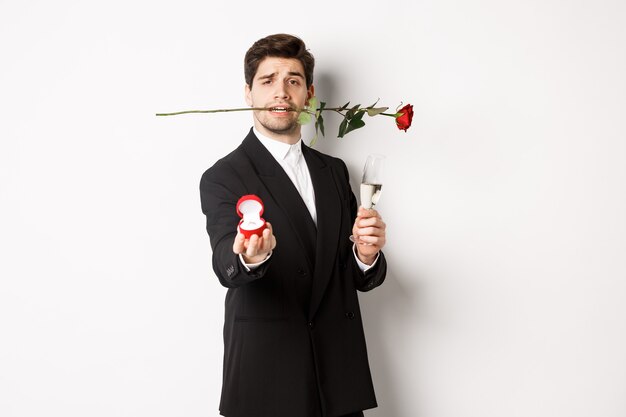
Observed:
{"x":278,"y":125}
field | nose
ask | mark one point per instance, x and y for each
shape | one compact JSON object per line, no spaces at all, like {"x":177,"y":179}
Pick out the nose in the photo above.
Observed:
{"x":281,"y":92}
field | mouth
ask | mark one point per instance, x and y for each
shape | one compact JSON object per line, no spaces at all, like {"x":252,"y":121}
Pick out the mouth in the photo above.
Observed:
{"x":280,"y":109}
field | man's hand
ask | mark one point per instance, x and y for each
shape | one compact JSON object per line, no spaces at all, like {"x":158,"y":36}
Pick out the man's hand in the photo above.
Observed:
{"x":369,"y":234}
{"x":255,"y":249}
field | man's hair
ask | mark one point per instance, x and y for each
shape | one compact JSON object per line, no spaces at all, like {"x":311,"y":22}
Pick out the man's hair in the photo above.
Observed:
{"x":279,"y":46}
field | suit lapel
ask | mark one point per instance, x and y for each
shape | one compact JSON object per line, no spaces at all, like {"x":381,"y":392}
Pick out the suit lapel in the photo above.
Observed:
{"x":328,"y":206}
{"x":320,"y":245}
{"x":284,"y":194}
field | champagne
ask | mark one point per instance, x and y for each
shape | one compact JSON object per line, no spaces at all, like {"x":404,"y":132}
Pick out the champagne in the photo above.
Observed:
{"x":370,"y":193}
{"x":371,"y":185}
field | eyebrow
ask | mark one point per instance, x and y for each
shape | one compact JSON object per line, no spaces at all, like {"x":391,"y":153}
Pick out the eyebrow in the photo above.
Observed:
{"x":272,"y":75}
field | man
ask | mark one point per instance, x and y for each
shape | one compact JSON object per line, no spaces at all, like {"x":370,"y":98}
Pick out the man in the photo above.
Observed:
{"x":293,"y":338}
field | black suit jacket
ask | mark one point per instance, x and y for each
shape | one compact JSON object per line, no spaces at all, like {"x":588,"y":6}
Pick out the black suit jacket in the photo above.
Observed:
{"x":294,"y":344}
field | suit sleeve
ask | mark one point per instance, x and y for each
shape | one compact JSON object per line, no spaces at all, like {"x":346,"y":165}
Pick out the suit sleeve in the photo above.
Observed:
{"x":372,"y":278}
{"x":220,"y":188}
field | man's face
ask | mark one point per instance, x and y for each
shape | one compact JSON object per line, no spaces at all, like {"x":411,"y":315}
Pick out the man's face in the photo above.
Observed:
{"x":280,"y":84}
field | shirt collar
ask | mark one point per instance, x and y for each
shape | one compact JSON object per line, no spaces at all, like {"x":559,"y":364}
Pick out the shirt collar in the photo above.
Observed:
{"x":279,"y":150}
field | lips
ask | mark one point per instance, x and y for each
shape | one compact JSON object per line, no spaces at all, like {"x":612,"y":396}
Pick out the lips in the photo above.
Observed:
{"x":280,"y":109}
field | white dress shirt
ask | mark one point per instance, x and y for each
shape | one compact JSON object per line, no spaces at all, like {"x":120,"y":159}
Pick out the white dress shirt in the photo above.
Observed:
{"x":290,"y":158}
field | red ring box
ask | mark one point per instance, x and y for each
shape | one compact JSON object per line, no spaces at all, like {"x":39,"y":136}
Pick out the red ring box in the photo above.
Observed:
{"x":250,"y":208}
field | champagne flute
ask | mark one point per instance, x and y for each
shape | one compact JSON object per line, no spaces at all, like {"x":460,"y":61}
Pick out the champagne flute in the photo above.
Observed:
{"x":371,"y":183}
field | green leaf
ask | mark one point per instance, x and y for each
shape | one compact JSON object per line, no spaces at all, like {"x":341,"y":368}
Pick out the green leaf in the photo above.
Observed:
{"x":313,"y":141}
{"x":313,"y":103}
{"x":320,"y":120}
{"x":304,"y":118}
{"x":342,"y":128}
{"x":377,"y":110}
{"x":354,"y":124}
{"x":345,"y":106}
{"x":351,"y":112}
{"x":319,"y":111}
{"x":359,"y":115}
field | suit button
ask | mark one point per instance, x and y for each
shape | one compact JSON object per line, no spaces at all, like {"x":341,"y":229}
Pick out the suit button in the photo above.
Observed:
{"x":311,"y":325}
{"x":350,"y":315}
{"x":302,"y":272}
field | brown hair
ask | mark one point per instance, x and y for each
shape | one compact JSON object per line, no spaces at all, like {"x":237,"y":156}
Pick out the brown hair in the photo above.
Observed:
{"x":280,"y":46}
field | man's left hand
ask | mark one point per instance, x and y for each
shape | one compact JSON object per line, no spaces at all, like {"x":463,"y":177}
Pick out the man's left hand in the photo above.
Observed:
{"x":369,"y":234}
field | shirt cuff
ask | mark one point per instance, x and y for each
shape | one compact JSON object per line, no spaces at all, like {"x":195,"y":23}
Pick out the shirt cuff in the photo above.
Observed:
{"x":362,"y":266}
{"x":252,"y":267}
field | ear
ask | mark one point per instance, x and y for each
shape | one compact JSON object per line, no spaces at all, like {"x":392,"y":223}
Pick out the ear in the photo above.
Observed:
{"x":310,"y":93}
{"x":248,"y":92}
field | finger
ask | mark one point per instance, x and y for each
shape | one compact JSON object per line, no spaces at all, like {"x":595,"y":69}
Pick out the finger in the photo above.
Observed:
{"x":238,"y":244}
{"x":380,"y":225}
{"x":366,"y":222}
{"x":272,"y":238}
{"x":252,"y":250}
{"x":371,"y":240}
{"x":367,"y":213}
{"x":371,"y":222}
{"x":370,"y":231}
{"x":265,"y":242}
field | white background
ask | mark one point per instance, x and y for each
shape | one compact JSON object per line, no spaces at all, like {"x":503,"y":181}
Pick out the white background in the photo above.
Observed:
{"x":504,"y":202}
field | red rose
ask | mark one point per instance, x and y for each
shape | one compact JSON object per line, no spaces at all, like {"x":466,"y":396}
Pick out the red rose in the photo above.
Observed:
{"x":404,"y":117}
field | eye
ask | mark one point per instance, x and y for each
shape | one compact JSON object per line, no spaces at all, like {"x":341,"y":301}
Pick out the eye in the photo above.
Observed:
{"x":294,"y":82}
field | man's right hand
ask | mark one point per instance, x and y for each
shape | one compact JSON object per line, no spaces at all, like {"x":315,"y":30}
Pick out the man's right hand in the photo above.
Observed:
{"x":255,"y":249}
